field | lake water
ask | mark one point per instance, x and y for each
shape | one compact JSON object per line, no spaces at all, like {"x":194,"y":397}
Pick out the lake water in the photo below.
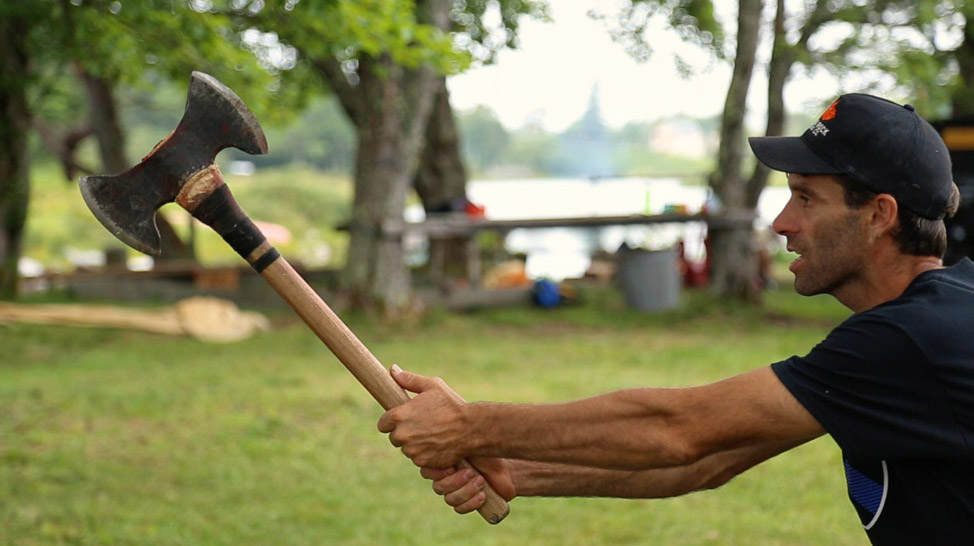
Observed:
{"x":561,"y":253}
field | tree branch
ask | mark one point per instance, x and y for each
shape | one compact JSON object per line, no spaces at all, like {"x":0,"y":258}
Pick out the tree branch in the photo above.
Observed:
{"x":63,"y":147}
{"x":349,"y":97}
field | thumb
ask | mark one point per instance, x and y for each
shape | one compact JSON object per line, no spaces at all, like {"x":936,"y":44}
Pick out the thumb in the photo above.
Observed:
{"x":412,"y":382}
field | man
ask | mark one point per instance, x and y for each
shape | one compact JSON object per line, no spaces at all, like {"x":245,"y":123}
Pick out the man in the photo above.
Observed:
{"x":893,"y":385}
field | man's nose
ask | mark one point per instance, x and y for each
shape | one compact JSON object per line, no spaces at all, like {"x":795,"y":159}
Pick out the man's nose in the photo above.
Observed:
{"x":784,"y":223}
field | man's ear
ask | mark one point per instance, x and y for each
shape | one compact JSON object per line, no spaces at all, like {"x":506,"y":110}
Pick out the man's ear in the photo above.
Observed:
{"x":885,"y":214}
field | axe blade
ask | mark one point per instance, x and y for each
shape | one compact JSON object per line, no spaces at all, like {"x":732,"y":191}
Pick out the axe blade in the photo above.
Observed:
{"x":214,"y":118}
{"x":126,"y":207}
{"x":222,"y":120}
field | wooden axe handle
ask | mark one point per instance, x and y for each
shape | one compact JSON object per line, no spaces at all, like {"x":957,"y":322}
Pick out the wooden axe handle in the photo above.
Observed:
{"x":354,"y":355}
{"x":209,"y":200}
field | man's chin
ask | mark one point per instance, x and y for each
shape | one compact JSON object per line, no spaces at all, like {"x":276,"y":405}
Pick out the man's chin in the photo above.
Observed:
{"x":805,"y":288}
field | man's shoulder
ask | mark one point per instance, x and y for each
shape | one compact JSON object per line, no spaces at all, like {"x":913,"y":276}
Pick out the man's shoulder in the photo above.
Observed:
{"x":959,"y":275}
{"x":937,"y":291}
{"x":932,"y":316}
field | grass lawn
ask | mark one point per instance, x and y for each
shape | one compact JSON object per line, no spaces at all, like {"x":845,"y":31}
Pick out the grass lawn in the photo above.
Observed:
{"x":111,"y":437}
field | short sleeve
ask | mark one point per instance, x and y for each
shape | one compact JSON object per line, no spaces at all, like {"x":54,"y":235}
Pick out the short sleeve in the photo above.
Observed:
{"x":871,"y":388}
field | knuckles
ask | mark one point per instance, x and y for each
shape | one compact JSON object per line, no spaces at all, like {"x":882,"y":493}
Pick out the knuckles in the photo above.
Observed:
{"x":418,"y":456}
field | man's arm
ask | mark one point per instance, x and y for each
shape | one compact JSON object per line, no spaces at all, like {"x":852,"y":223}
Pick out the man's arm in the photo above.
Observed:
{"x":538,"y":479}
{"x":519,"y":478}
{"x":636,"y":429}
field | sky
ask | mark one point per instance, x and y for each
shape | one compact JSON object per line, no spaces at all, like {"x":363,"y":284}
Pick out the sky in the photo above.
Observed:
{"x":550,"y":78}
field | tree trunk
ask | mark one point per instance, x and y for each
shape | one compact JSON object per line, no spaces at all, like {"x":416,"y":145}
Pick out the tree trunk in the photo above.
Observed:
{"x":441,"y":183}
{"x":441,"y":179}
{"x":389,"y":141}
{"x":14,"y":161}
{"x":103,"y":120}
{"x":734,"y":264}
{"x":779,"y":70}
{"x":779,"y":67}
{"x":390,"y":107}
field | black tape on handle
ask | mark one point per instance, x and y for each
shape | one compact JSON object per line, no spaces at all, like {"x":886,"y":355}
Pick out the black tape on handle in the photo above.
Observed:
{"x":221,"y":212}
{"x":269,"y":257}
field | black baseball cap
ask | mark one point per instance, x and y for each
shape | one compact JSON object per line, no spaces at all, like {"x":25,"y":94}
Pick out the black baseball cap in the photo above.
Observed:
{"x":886,"y":147}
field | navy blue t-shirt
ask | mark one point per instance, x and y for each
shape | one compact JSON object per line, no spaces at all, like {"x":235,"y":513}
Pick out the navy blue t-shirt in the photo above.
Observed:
{"x":894,"y":386}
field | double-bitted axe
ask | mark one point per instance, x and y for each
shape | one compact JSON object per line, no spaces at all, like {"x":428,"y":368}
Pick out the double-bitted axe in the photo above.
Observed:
{"x":181,"y":168}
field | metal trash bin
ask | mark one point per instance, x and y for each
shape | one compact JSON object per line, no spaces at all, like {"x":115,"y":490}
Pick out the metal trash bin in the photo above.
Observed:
{"x":649,"y":279}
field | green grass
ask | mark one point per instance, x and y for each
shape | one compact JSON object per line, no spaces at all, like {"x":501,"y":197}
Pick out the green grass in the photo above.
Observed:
{"x":111,"y":437}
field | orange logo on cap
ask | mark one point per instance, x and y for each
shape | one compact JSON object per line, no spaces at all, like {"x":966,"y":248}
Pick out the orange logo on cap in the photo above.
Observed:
{"x":830,"y":112}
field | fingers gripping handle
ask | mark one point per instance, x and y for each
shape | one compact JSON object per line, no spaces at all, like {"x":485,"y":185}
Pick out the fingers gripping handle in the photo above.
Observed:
{"x":210,"y":201}
{"x":354,"y":355}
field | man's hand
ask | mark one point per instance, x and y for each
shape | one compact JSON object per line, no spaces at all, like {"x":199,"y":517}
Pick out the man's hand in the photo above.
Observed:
{"x":463,"y":489}
{"x":431,"y":429}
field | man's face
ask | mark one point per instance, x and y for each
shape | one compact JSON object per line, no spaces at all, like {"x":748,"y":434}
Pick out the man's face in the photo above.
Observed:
{"x":827,"y":235}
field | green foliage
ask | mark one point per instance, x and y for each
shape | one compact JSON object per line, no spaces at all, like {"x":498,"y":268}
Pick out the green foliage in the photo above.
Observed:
{"x":916,"y":50}
{"x":635,"y":156}
{"x":694,"y":21}
{"x":348,"y":29}
{"x":533,"y":149}
{"x":138,"y":46}
{"x":114,"y":437}
{"x":311,"y":204}
{"x":58,"y":221}
{"x":474,"y":33}
{"x":384,"y":27}
{"x":484,"y":139}
{"x":22,"y":25}
{"x":119,"y":41}
{"x":647,"y":163}
{"x":321,"y":137}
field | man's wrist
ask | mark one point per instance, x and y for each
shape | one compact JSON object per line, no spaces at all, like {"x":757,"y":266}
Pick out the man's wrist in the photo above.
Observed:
{"x":479,"y":431}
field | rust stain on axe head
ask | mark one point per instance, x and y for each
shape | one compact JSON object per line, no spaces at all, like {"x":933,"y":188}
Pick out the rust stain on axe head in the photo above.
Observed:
{"x":214,"y":118}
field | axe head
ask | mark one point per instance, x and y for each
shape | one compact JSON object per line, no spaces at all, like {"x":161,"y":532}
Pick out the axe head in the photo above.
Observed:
{"x":215,"y":118}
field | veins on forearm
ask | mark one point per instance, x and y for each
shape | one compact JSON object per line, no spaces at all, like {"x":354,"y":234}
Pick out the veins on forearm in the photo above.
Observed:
{"x":620,"y":430}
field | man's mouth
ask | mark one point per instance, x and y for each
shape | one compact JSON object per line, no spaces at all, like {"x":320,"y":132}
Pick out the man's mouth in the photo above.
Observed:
{"x":797,"y":262}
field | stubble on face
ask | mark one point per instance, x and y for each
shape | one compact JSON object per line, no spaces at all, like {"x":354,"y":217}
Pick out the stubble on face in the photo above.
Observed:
{"x":832,"y":259}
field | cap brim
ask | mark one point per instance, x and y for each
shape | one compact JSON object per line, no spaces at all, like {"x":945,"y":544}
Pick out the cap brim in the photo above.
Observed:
{"x":790,"y":155}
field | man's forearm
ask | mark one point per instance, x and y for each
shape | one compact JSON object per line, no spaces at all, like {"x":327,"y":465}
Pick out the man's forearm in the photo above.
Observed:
{"x":543,"y":479}
{"x":625,"y":430}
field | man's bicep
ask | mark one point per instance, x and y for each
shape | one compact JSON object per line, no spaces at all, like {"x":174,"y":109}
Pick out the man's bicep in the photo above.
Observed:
{"x":752,"y":409}
{"x":796,"y":421}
